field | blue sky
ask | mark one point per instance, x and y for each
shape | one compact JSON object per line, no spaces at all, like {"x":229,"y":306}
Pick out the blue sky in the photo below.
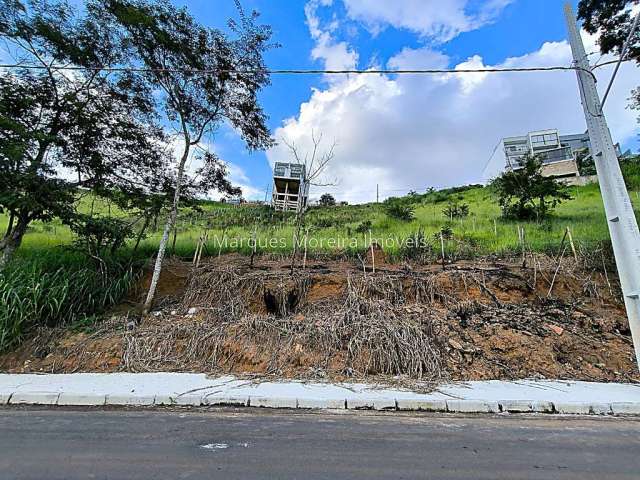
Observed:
{"x":411,"y":132}
{"x":377,"y":35}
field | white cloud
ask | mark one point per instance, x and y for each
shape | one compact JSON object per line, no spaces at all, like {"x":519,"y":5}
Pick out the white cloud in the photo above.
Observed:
{"x":415,"y":131}
{"x":236,"y":175}
{"x":437,"y":19}
{"x":335,"y":55}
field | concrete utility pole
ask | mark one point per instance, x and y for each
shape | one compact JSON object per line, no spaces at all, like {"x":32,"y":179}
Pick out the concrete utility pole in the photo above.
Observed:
{"x":621,"y":219}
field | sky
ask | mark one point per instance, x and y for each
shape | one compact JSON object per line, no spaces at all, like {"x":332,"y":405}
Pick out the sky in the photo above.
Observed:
{"x":409,"y":132}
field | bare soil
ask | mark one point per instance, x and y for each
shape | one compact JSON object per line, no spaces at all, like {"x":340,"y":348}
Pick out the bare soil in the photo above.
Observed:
{"x":337,"y":319}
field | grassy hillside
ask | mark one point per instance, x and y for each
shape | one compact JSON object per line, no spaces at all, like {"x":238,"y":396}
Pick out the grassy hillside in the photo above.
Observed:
{"x":345,"y":229}
{"x":48,"y":284}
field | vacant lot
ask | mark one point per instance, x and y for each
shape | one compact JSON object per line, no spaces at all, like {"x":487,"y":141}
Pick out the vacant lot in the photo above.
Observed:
{"x":49,"y":286}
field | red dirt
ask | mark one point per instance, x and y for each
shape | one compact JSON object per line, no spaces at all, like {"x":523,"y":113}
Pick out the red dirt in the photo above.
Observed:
{"x":492,"y":322}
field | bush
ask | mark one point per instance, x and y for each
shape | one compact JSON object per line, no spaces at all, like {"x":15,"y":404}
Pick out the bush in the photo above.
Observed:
{"x":526,"y":194}
{"x":327,"y":200}
{"x":456,"y":210}
{"x":399,"y":211}
{"x":416,"y":247}
{"x":100,"y":236}
{"x":445,"y":231}
{"x":364,"y":227}
{"x":56,"y":288}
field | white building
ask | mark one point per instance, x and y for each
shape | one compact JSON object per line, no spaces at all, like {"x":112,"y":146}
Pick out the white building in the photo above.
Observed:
{"x":558,"y":153}
{"x":290,"y":188}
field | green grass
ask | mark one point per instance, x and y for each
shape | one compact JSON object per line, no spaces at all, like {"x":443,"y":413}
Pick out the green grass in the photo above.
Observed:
{"x":48,"y":284}
{"x":56,"y":286}
{"x":484,"y":230}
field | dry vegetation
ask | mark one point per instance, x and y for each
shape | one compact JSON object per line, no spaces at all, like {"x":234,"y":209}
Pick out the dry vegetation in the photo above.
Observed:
{"x":405,"y":324}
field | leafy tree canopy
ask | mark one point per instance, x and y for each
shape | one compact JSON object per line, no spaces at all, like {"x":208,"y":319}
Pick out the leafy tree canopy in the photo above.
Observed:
{"x":327,"y":200}
{"x":526,"y":194}
{"x":65,"y":130}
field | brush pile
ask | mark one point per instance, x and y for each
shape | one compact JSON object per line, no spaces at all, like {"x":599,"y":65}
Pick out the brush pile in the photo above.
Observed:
{"x":531,"y":318}
{"x":263,"y":322}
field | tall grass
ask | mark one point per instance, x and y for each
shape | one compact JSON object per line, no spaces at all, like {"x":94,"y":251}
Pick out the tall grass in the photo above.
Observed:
{"x":56,"y":287}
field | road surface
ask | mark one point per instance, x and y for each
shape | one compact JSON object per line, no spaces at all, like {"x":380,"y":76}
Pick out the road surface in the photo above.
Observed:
{"x":257,"y":444}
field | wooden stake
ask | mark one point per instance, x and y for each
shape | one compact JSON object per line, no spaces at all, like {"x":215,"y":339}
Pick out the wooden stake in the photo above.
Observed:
{"x":573,"y":247}
{"x":524,"y":247}
{"x":555,"y":274}
{"x":203,"y":241}
{"x":195,"y":255}
{"x":495,"y":227}
{"x":304,"y":260}
{"x":373,"y":255}
{"x":442,"y":248}
{"x":255,"y":243}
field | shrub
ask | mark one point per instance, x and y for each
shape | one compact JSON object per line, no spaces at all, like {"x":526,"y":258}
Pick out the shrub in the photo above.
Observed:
{"x":416,"y":246}
{"x":327,"y":200}
{"x":399,"y":211}
{"x":525,"y":194}
{"x":100,"y":236}
{"x":445,"y":231}
{"x":364,"y":227}
{"x":456,"y":210}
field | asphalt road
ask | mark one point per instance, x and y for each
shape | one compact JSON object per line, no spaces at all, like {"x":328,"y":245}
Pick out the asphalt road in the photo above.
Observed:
{"x":252,"y":444}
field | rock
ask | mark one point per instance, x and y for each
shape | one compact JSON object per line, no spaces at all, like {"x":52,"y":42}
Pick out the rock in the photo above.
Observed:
{"x":174,"y":313}
{"x":555,"y":328}
{"x":192,"y":311}
{"x":455,"y":345}
{"x":157,"y":313}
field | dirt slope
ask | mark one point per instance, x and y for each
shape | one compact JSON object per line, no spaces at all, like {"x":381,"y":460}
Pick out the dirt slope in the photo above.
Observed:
{"x":482,"y":320}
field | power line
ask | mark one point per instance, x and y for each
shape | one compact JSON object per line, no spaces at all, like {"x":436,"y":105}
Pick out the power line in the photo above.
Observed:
{"x":306,"y":71}
{"x":495,"y":149}
{"x":623,"y":54}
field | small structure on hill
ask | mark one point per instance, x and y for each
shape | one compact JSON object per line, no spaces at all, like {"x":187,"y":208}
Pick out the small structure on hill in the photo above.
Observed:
{"x":559,"y":153}
{"x":290,"y":187}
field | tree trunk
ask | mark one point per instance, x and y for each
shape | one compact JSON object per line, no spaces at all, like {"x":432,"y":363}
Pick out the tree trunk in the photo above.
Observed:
{"x":147,"y":219}
{"x":167,"y":230}
{"x":12,"y":240}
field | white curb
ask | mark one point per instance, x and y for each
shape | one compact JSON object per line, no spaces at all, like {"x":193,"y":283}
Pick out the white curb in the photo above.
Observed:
{"x":472,"y":406}
{"x":422,"y":405}
{"x":324,"y":404}
{"x":81,"y":400}
{"x":131,"y":400}
{"x":195,"y":390}
{"x":272,"y":402}
{"x":34,"y":398}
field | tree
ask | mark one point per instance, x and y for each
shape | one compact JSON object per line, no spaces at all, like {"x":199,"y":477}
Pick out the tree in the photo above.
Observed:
{"x":611,"y":20}
{"x":315,"y":162}
{"x":526,"y":194}
{"x":60,"y":130}
{"x":327,"y":200}
{"x":174,"y":50}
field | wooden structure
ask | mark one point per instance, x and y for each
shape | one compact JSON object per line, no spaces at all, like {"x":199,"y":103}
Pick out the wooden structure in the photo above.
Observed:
{"x":290,"y":187}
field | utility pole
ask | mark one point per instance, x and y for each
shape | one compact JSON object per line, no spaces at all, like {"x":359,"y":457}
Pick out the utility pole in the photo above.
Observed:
{"x":377,"y":193}
{"x":621,"y":219}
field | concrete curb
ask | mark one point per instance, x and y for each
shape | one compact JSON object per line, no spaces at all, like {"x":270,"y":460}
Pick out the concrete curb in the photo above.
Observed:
{"x":196,"y":390}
